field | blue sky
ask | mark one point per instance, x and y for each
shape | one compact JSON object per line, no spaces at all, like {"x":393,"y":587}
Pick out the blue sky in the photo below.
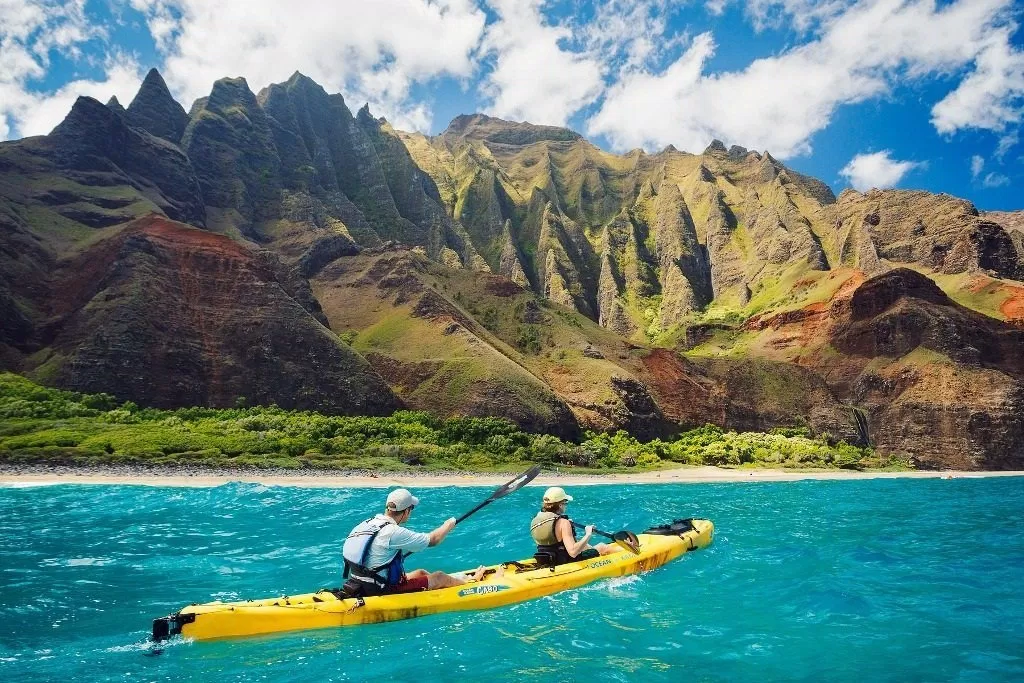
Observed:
{"x":921,"y":94}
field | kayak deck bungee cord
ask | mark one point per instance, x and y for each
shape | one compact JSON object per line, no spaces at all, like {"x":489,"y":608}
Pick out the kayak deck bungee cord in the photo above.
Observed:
{"x":521,"y":581}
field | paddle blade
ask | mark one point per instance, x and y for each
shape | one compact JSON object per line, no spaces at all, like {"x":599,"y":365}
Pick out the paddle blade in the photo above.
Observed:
{"x":505,"y":489}
{"x":628,"y":540}
{"x":517,"y":483}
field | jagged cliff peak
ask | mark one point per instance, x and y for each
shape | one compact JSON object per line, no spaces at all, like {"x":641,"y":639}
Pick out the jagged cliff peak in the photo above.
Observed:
{"x":716,"y":147}
{"x":114,"y":105}
{"x":299,"y":82}
{"x":155,"y":110}
{"x":299,"y":78}
{"x":364,"y":116}
{"x":500,"y":131}
{"x":85,"y":113}
{"x":229,"y":92}
{"x":737,"y":151}
{"x":99,"y":147}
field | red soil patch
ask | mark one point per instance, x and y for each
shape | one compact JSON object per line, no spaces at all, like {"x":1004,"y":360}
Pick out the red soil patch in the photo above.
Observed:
{"x":978,"y":283}
{"x":847,"y":289}
{"x":804,"y":283}
{"x":683,"y":393}
{"x":178,"y":235}
{"x":1013,"y":308}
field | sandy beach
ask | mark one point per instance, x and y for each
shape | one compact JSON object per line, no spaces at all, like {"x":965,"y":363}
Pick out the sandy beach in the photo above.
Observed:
{"x":681,"y":475}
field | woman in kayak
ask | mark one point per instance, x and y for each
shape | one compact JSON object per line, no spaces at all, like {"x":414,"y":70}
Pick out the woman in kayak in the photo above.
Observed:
{"x":553,"y":531}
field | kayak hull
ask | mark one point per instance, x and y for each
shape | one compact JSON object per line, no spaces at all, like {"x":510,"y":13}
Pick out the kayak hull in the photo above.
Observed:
{"x":526,"y":581}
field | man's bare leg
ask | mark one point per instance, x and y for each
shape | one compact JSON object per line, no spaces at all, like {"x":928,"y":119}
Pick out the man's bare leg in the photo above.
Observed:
{"x":442,"y":580}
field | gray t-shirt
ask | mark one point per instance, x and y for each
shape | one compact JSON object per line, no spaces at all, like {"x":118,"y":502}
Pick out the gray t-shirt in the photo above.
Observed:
{"x":392,"y":538}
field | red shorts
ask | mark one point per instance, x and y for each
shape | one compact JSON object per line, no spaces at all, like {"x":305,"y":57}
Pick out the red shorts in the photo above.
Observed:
{"x":408,"y":585}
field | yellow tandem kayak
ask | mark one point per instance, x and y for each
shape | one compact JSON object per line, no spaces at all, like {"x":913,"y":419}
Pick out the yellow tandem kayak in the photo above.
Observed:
{"x":522,"y":581}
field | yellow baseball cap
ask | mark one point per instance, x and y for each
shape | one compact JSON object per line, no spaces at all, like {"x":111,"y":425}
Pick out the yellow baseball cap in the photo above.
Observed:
{"x":556,"y":494}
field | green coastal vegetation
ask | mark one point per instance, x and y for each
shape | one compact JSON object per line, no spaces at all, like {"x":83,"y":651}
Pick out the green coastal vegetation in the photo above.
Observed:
{"x":40,"y":425}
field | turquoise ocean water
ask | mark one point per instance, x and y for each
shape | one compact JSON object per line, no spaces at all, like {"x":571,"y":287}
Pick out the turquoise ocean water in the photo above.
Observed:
{"x":884,"y":580}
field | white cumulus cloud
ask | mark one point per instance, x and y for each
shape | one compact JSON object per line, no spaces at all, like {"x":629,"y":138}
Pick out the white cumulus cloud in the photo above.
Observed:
{"x":32,"y":32}
{"x":716,"y":7}
{"x":534,"y":78}
{"x":991,"y":97}
{"x":780,"y":102}
{"x":992,"y":179}
{"x":876,"y":169}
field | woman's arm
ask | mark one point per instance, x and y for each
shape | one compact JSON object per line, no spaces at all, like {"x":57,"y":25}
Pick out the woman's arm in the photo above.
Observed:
{"x":572,"y":547}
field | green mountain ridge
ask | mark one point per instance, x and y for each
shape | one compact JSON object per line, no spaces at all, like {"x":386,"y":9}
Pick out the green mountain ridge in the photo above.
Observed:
{"x":498,"y":268}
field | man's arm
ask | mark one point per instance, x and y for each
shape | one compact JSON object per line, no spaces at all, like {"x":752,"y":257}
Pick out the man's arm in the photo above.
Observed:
{"x":415,"y":541}
{"x":438,"y":534}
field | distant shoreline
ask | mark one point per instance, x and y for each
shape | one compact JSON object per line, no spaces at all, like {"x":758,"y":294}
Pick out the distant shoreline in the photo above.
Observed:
{"x":27,"y":476}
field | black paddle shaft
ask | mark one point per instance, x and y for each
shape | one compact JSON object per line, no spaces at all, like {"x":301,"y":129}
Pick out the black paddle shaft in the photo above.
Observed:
{"x":626,"y":539}
{"x":583,"y":527}
{"x":505,"y":489}
{"x":502,"y":491}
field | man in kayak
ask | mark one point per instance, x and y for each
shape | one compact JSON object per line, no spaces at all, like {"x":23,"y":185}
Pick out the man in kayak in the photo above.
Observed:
{"x":375,"y":549}
{"x":553,"y":531}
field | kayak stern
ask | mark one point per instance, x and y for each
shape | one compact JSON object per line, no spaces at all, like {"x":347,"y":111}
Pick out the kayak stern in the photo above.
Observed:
{"x":171,"y":625}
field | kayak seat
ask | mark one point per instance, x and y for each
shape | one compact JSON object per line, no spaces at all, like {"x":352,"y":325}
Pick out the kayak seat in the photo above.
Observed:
{"x":545,"y":558}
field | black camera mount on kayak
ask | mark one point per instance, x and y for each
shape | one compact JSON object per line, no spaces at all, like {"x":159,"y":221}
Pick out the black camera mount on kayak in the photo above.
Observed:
{"x":677,"y":527}
{"x":165,"y":627}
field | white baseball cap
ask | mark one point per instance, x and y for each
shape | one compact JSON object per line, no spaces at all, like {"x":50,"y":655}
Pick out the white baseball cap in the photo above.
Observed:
{"x":401,"y":499}
{"x":556,"y":494}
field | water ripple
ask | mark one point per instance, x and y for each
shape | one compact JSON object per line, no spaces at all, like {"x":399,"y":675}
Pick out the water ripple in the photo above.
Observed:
{"x":883,"y":580}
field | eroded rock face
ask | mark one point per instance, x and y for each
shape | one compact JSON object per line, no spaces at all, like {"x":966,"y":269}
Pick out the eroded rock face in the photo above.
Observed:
{"x":939,"y":382}
{"x":96,"y":146}
{"x":230,"y":144}
{"x":169,"y":316}
{"x":1013,"y":223}
{"x":747,"y":395}
{"x":445,"y":362}
{"x":946,"y":416}
{"x":25,"y":264}
{"x":639,"y":242}
{"x":325,"y":153}
{"x":937,"y":231}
